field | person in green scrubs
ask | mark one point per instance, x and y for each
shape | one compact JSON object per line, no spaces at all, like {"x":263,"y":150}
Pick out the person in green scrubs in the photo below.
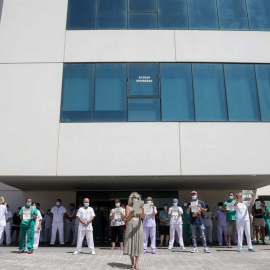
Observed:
{"x":266,"y":215}
{"x":186,"y":224}
{"x":27,"y":226}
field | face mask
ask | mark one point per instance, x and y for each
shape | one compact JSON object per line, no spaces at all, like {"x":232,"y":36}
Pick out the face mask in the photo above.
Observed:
{"x":149,"y":202}
{"x":220,"y":207}
{"x":135,"y":200}
{"x":185,"y":204}
{"x":165,"y":207}
{"x":230,"y":197}
{"x":175,"y":204}
{"x":28,"y":204}
{"x":194,"y":197}
{"x":117,"y":205}
{"x":57,"y":203}
{"x":86,"y":204}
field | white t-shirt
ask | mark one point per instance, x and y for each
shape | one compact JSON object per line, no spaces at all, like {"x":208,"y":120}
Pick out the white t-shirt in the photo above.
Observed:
{"x":39,"y":217}
{"x":208,"y":219}
{"x":9,"y":215}
{"x":58,"y":213}
{"x":242,"y":211}
{"x":117,"y":221}
{"x":48,"y":222}
{"x":3,"y":212}
{"x":174,"y":217}
{"x":86,"y":214}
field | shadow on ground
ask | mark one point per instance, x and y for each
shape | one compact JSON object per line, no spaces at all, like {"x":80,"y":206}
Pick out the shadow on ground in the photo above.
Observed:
{"x":119,"y":265}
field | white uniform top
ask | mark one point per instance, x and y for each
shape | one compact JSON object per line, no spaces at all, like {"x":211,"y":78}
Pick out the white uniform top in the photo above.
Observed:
{"x":86,"y":214}
{"x":150,"y":220}
{"x":242,"y":211}
{"x":71,"y":213}
{"x":3,"y":212}
{"x":9,"y":215}
{"x":208,"y":219}
{"x":58,"y":213}
{"x":39,"y":217}
{"x":175,"y":219}
{"x":48,"y":222}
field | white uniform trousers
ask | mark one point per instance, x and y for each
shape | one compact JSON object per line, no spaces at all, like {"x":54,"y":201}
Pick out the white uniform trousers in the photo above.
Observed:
{"x":241,"y":227}
{"x":70,"y":227}
{"x":36,"y":238}
{"x":179,"y":230}
{"x":89,"y":238}
{"x":2,"y":228}
{"x":7,"y":231}
{"x":47,"y":234}
{"x":57,"y":226}
{"x":149,"y":231}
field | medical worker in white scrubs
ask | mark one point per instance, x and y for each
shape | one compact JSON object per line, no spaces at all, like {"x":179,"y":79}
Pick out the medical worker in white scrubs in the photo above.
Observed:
{"x":38,"y":227}
{"x":58,"y":214}
{"x":85,"y":216}
{"x":242,"y":221}
{"x":7,"y":230}
{"x":3,"y":212}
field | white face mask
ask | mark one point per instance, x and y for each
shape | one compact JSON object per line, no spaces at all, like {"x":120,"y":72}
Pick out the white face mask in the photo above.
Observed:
{"x":117,"y":205}
{"x":149,"y":202}
{"x":175,"y":204}
{"x":185,"y":204}
{"x":57,"y":203}
{"x":135,"y":200}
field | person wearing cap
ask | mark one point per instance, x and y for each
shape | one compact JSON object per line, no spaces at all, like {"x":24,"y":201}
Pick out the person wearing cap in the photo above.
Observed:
{"x":196,"y":222}
{"x":3,"y":212}
{"x":176,"y":224}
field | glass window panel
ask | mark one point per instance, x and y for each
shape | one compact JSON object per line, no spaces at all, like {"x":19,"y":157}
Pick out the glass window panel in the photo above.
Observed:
{"x":142,"y":5}
{"x":176,"y":92}
{"x":172,"y":14}
{"x":112,"y":14}
{"x":110,"y":93}
{"x":263,"y":83}
{"x":142,"y":21}
{"x":144,"y":109}
{"x":143,"y":79}
{"x":209,"y":92}
{"x":81,"y":14}
{"x":202,"y":14}
{"x":259,"y":14}
{"x":232,"y":14}
{"x":1,"y":6}
{"x":241,"y":90}
{"x":77,"y":93}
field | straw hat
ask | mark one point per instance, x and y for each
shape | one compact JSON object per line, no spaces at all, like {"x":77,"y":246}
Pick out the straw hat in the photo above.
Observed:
{"x":2,"y":200}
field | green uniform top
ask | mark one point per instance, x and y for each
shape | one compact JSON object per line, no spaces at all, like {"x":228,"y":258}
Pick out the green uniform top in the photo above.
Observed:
{"x":230,"y":214}
{"x":31,"y":221}
{"x":265,"y":214}
{"x":187,"y":216}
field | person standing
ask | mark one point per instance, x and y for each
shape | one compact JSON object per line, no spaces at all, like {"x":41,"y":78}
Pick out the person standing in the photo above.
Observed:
{"x":70,"y":222}
{"x":196,"y":222}
{"x":38,"y":227}
{"x":58,"y":214}
{"x":117,"y":217}
{"x":258,"y":222}
{"x":3,"y":212}
{"x":208,"y":224}
{"x":133,"y":245}
{"x":7,"y":230}
{"x":149,"y":227}
{"x":242,"y":221}
{"x":266,"y":215}
{"x":77,"y":222}
{"x":230,"y":218}
{"x":48,"y":226}
{"x":164,"y":225}
{"x":85,"y":216}
{"x":28,"y":215}
{"x":176,"y":224}
{"x":220,"y":216}
{"x":16,"y":221}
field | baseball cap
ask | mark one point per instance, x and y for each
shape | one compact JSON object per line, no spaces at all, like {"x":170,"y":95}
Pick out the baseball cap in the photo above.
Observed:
{"x":175,"y":200}
{"x":194,"y":192}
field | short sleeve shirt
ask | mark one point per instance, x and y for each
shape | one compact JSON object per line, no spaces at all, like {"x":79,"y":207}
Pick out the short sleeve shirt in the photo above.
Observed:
{"x":208,"y":219}
{"x":164,"y":216}
{"x":265,"y":214}
{"x":30,"y":222}
{"x":58,"y":213}
{"x":118,"y":221}
{"x":48,"y":222}
{"x":86,"y":214}
{"x":175,"y":218}
{"x":230,"y":214}
{"x":196,"y":218}
{"x":150,"y":220}
{"x":221,"y":218}
{"x":39,"y":217}
{"x":3,"y":212}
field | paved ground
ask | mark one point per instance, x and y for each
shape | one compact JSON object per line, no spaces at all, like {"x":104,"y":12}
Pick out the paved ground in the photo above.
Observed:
{"x":61,"y":258}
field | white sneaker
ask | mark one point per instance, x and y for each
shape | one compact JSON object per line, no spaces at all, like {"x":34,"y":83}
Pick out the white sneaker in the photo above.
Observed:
{"x":206,"y":250}
{"x":76,"y":252}
{"x":170,"y":248}
{"x":194,"y":250}
{"x":93,"y":252}
{"x":183,"y":248}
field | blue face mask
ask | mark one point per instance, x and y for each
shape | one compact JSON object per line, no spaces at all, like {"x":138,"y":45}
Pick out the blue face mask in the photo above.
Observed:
{"x":230,"y":197}
{"x":149,"y":202}
{"x":86,"y":204}
{"x":57,"y":203}
{"x":194,"y":197}
{"x":28,"y":204}
{"x":117,"y":205}
{"x":220,"y":207}
{"x":165,"y":207}
{"x":185,"y":204}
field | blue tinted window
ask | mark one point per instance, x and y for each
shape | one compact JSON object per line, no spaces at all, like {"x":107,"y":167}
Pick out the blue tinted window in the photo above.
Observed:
{"x":209,"y":92}
{"x":232,"y":14}
{"x":259,"y":14}
{"x":142,"y":21}
{"x":81,"y":14}
{"x":176,"y":92}
{"x":143,"y":80}
{"x":263,"y":83}
{"x":77,"y":93}
{"x":112,"y":14}
{"x":172,"y":14}
{"x":242,"y":95}
{"x":142,"y":5}
{"x":144,"y":109}
{"x":110,"y":93}
{"x":202,"y":14}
